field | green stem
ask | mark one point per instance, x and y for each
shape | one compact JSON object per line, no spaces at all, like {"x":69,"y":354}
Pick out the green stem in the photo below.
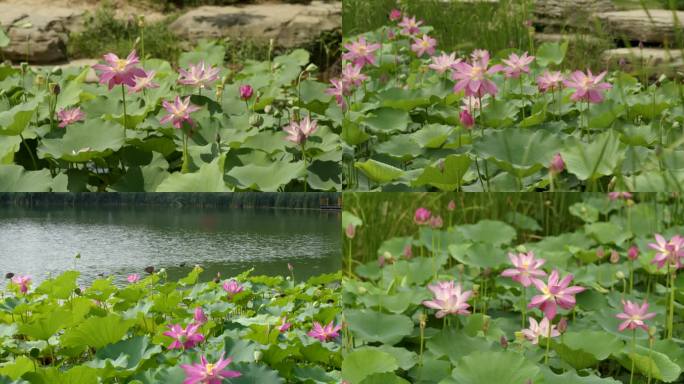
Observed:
{"x":548,"y":344}
{"x":185,"y":168}
{"x":125,"y":116}
{"x":670,"y":320}
{"x":523,"y":306}
{"x":349,"y":258}
{"x":631,"y":374}
{"x":33,"y":159}
{"x":306,"y":172}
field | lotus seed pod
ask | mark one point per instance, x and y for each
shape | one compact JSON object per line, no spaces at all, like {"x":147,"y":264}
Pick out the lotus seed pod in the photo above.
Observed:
{"x":519,"y":337}
{"x":268,"y":109}
{"x":503,"y":341}
{"x":39,"y":81}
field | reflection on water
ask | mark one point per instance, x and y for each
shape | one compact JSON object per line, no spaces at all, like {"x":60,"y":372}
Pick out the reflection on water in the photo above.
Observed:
{"x":119,"y":241}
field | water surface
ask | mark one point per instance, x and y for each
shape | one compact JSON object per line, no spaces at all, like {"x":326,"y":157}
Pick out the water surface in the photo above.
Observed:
{"x":117,"y":241}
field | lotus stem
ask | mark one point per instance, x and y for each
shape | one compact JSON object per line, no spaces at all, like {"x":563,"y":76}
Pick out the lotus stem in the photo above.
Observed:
{"x":185,"y":168}
{"x":631,"y":371}
{"x":349,"y":258}
{"x":548,"y":344}
{"x":523,"y":305}
{"x":306,"y":173}
{"x":123,"y":99}
{"x":670,"y":319}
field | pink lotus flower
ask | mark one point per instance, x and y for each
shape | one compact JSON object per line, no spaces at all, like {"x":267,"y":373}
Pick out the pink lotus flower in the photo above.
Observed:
{"x":444,"y":62}
{"x":70,"y":116}
{"x":515,"y":65}
{"x":436,"y":222}
{"x":199,"y":316}
{"x":232,"y":287}
{"x":339,"y":90}
{"x":198,"y":75}
{"x":144,"y":82}
{"x":633,"y":253}
{"x":451,"y":206}
{"x":409,"y":26}
{"x":408,"y":252}
{"x":22,"y":282}
{"x":422,"y":216}
{"x":634,"y":316}
{"x":541,"y":329}
{"x":587,"y":86}
{"x":670,"y":252}
{"x":284,"y":325}
{"x":549,"y":81}
{"x":556,"y":293}
{"x":350,"y":231}
{"x":179,"y":112}
{"x":479,"y":54}
{"x":619,"y":195}
{"x":246,"y":92}
{"x":557,"y":164}
{"x":395,"y":15}
{"x":327,"y":333}
{"x":466,"y":119}
{"x":119,"y":71}
{"x":300,"y":132}
{"x":449,"y":299}
{"x":526,"y":268}
{"x":351,"y":75}
{"x":474,"y":78}
{"x":184,"y":338}
{"x":133,"y":278}
{"x":360,"y":52}
{"x":206,"y":373}
{"x":424,"y":45}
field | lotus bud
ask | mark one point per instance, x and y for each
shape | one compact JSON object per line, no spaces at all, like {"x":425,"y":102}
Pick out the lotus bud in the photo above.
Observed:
{"x":258,"y":355}
{"x":277,"y":113}
{"x":39,"y":81}
{"x":149,"y":269}
{"x":219,"y":90}
{"x":268,"y":109}
{"x":350,"y":231}
{"x":311,"y":68}
{"x":451,"y":206}
{"x":436,"y":222}
{"x":652,"y":331}
{"x":614,"y":257}
{"x":562,"y":325}
{"x":620,"y":275}
{"x":422,"y":320}
{"x":557,"y":164}
{"x":141,"y":21}
{"x":24,"y":67}
{"x":466,"y":119}
{"x":55,"y":89}
{"x":9,"y":275}
{"x":600,"y":253}
{"x":633,"y":253}
{"x":363,"y":290}
{"x":408,"y":251}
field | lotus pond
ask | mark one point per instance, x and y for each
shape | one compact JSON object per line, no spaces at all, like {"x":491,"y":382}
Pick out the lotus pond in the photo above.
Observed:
{"x":420,"y":119}
{"x":508,"y":302}
{"x":150,"y":127}
{"x":244,"y":329}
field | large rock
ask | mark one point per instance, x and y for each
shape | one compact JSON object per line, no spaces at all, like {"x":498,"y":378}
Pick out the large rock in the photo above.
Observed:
{"x":569,"y":13}
{"x":289,"y":25}
{"x":653,"y":60}
{"x":657,"y":26}
{"x":40,"y":33}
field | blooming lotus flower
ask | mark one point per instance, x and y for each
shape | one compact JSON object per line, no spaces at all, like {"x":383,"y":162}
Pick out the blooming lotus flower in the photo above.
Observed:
{"x":409,"y":26}
{"x":198,"y":75}
{"x":246,"y":92}
{"x":466,"y":119}
{"x":619,"y":195}
{"x":179,"y":112}
{"x":449,"y":299}
{"x":119,"y":71}
{"x":69,"y":116}
{"x":422,"y":216}
{"x":360,"y":52}
{"x":339,"y":90}
{"x":351,"y":75}
{"x":350,"y":231}
{"x":515,"y":65}
{"x":232,"y":287}
{"x":557,"y":164}
{"x":284,"y":325}
{"x":549,"y":81}
{"x":444,"y":62}
{"x":133,"y":278}
{"x":587,"y":86}
{"x":555,"y":293}
{"x":184,"y":338}
{"x":206,"y":373}
{"x":474,"y":78}
{"x":22,"y":282}
{"x":425,"y":44}
{"x":199,"y":316}
{"x":300,"y":132}
{"x":327,"y":333}
{"x":670,"y":252}
{"x":395,"y":14}
{"x":527,"y":267}
{"x":144,"y":82}
{"x":541,"y":329}
{"x":634,"y":316}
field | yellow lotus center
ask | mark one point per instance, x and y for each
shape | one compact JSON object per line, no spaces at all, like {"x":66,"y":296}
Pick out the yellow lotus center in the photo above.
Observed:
{"x":425,"y":44}
{"x":476,"y":72}
{"x":525,"y":265}
{"x":586,"y":82}
{"x":121,"y":64}
{"x":546,"y":291}
{"x":210,"y":368}
{"x":362,"y":49}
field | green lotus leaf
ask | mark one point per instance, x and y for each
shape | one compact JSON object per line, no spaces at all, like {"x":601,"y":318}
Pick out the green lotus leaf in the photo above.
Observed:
{"x":387,"y":120}
{"x":447,"y":175}
{"x":96,"y":332}
{"x":13,"y":178}
{"x":265,"y":178}
{"x":84,"y":142}
{"x":521,"y":152}
{"x":379,"y":172}
{"x":209,"y":178}
{"x":16,"y":119}
{"x":551,"y":53}
{"x":495,"y":367}
{"x":659,"y":365}
{"x":585,"y":348}
{"x":361,"y":364}
{"x":375,"y":326}
{"x":588,"y":161}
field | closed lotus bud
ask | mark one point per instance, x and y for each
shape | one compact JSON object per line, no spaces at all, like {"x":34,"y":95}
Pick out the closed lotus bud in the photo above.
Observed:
{"x":256,"y":120}
{"x":600,"y":253}
{"x":408,"y":251}
{"x":363,"y":290}
{"x":451,"y":206}
{"x":504,"y":342}
{"x":246,"y":92}
{"x":422,"y":321}
{"x":562,"y":325}
{"x":258,"y":355}
{"x":24,"y":67}
{"x":557,"y":164}
{"x":141,"y":21}
{"x":268,"y":109}
{"x":311,"y":68}
{"x":39,"y":81}
{"x":652,"y":330}
{"x":9,"y":275}
{"x":620,"y":275}
{"x":614,"y":257}
{"x":633,"y":252}
{"x":55,"y":89}
{"x":436,"y":222}
{"x":466,"y":119}
{"x":350,"y":231}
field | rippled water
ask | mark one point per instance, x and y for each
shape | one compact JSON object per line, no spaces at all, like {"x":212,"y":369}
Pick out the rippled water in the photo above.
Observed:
{"x":43,"y":241}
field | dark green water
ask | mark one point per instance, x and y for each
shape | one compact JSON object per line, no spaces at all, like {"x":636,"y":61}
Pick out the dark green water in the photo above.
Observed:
{"x":42,"y":242}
